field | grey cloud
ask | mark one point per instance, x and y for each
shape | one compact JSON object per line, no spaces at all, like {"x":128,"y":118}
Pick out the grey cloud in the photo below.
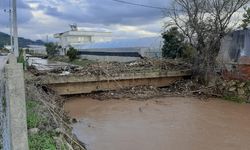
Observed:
{"x":106,"y":12}
{"x":23,"y":10}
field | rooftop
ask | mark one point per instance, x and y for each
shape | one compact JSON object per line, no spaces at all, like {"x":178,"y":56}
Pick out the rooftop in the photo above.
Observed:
{"x":82,"y":33}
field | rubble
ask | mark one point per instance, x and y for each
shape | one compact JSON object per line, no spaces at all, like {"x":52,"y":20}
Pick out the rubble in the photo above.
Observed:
{"x":116,"y":68}
{"x":235,"y":90}
{"x":219,"y":88}
{"x":179,"y":88}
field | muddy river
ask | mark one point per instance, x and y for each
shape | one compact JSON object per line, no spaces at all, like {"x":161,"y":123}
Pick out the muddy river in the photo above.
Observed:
{"x":161,"y":124}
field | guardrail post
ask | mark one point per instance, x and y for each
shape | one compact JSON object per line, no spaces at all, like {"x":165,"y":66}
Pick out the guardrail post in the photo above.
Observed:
{"x":16,"y":106}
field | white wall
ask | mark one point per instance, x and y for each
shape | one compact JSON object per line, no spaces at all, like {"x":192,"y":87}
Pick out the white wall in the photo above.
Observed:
{"x":110,"y":58}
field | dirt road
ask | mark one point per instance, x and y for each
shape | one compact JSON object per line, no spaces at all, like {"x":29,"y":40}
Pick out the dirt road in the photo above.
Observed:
{"x":161,"y":124}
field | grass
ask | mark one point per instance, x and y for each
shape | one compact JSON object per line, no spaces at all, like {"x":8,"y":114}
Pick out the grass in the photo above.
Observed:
{"x":43,"y":140}
{"x":33,"y":117}
{"x":81,"y":62}
{"x":236,"y":99}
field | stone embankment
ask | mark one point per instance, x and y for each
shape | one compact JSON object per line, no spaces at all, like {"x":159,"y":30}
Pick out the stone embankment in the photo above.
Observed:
{"x":235,"y":90}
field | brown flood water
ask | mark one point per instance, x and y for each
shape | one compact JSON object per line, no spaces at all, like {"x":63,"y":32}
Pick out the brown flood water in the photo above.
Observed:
{"x":161,"y":124}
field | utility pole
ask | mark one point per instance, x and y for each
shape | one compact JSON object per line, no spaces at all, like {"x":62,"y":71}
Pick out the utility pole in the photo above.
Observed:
{"x":11,"y":30}
{"x":9,"y":11}
{"x":14,"y":26}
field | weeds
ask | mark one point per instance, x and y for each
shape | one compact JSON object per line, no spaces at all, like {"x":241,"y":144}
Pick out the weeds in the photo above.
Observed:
{"x":236,"y":99}
{"x":33,"y":117}
{"x":42,"y":141}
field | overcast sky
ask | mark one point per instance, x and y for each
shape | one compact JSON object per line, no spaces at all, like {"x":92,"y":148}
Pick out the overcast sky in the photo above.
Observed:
{"x":38,"y":18}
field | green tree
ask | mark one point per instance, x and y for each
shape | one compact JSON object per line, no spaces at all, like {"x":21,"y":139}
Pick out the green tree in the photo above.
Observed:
{"x":246,"y":18}
{"x":52,"y":49}
{"x":173,"y":43}
{"x":72,"y":53}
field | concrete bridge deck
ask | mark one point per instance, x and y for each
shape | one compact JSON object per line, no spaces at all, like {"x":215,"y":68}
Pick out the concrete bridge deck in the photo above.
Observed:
{"x":77,"y":84}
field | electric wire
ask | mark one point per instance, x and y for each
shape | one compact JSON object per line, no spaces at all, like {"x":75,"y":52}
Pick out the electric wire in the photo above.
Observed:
{"x":141,"y":5}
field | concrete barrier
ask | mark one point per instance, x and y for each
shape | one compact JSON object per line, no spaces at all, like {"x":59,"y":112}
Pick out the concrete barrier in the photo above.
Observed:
{"x":15,"y":122}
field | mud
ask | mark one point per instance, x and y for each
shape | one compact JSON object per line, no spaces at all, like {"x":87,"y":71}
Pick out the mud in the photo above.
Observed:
{"x":161,"y":124}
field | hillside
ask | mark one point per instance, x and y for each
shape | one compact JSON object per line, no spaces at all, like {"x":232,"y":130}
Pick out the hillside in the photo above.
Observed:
{"x":5,"y":40}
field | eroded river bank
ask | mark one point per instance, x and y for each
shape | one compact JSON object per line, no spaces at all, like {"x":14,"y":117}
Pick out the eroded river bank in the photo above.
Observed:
{"x":172,"y":123}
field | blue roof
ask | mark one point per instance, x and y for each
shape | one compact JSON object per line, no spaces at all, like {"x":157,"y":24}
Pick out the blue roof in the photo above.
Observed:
{"x":149,"y":42}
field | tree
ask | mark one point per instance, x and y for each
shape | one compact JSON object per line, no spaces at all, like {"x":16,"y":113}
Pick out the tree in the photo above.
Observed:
{"x":173,"y":43}
{"x":52,"y":49}
{"x":204,"y":23}
{"x":246,"y":18}
{"x":72,"y":53}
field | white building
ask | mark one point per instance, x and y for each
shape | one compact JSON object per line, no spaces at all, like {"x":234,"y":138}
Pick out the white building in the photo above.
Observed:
{"x":37,"y":49}
{"x":76,"y":37}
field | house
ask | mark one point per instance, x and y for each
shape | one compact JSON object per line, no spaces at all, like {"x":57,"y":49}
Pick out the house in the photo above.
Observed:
{"x":122,"y":50}
{"x":80,"y":37}
{"x":234,"y":56}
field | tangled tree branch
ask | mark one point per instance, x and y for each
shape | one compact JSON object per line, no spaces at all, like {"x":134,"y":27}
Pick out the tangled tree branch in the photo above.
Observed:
{"x":205,"y":23}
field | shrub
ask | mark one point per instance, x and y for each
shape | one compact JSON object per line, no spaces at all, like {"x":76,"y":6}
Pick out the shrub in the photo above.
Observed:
{"x":72,"y":53}
{"x":52,"y":49}
{"x":173,"y":43}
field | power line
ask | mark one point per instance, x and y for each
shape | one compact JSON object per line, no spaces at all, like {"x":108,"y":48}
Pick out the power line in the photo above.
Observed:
{"x":141,"y":5}
{"x":153,"y":7}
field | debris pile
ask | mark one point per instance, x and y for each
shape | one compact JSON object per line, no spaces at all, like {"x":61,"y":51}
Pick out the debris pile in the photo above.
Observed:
{"x":179,"y":88}
{"x":116,"y":68}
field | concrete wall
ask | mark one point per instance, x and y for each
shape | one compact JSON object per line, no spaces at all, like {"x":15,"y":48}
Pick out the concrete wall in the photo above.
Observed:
{"x":110,"y":58}
{"x":14,"y":106}
{"x":112,"y":54}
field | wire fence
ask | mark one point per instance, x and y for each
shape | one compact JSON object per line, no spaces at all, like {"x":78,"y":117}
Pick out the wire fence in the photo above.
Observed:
{"x":3,"y":107}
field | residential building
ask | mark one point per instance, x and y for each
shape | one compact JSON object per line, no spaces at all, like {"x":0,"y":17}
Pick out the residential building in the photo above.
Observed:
{"x":76,"y":37}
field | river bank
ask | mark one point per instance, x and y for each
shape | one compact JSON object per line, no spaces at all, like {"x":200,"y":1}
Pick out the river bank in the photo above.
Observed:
{"x":49,"y":126}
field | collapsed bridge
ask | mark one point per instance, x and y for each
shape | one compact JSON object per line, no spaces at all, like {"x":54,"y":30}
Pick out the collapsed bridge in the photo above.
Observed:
{"x":77,"y":84}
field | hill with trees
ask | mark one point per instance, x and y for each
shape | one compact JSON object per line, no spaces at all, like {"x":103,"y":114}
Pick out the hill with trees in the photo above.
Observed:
{"x":5,"y":40}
